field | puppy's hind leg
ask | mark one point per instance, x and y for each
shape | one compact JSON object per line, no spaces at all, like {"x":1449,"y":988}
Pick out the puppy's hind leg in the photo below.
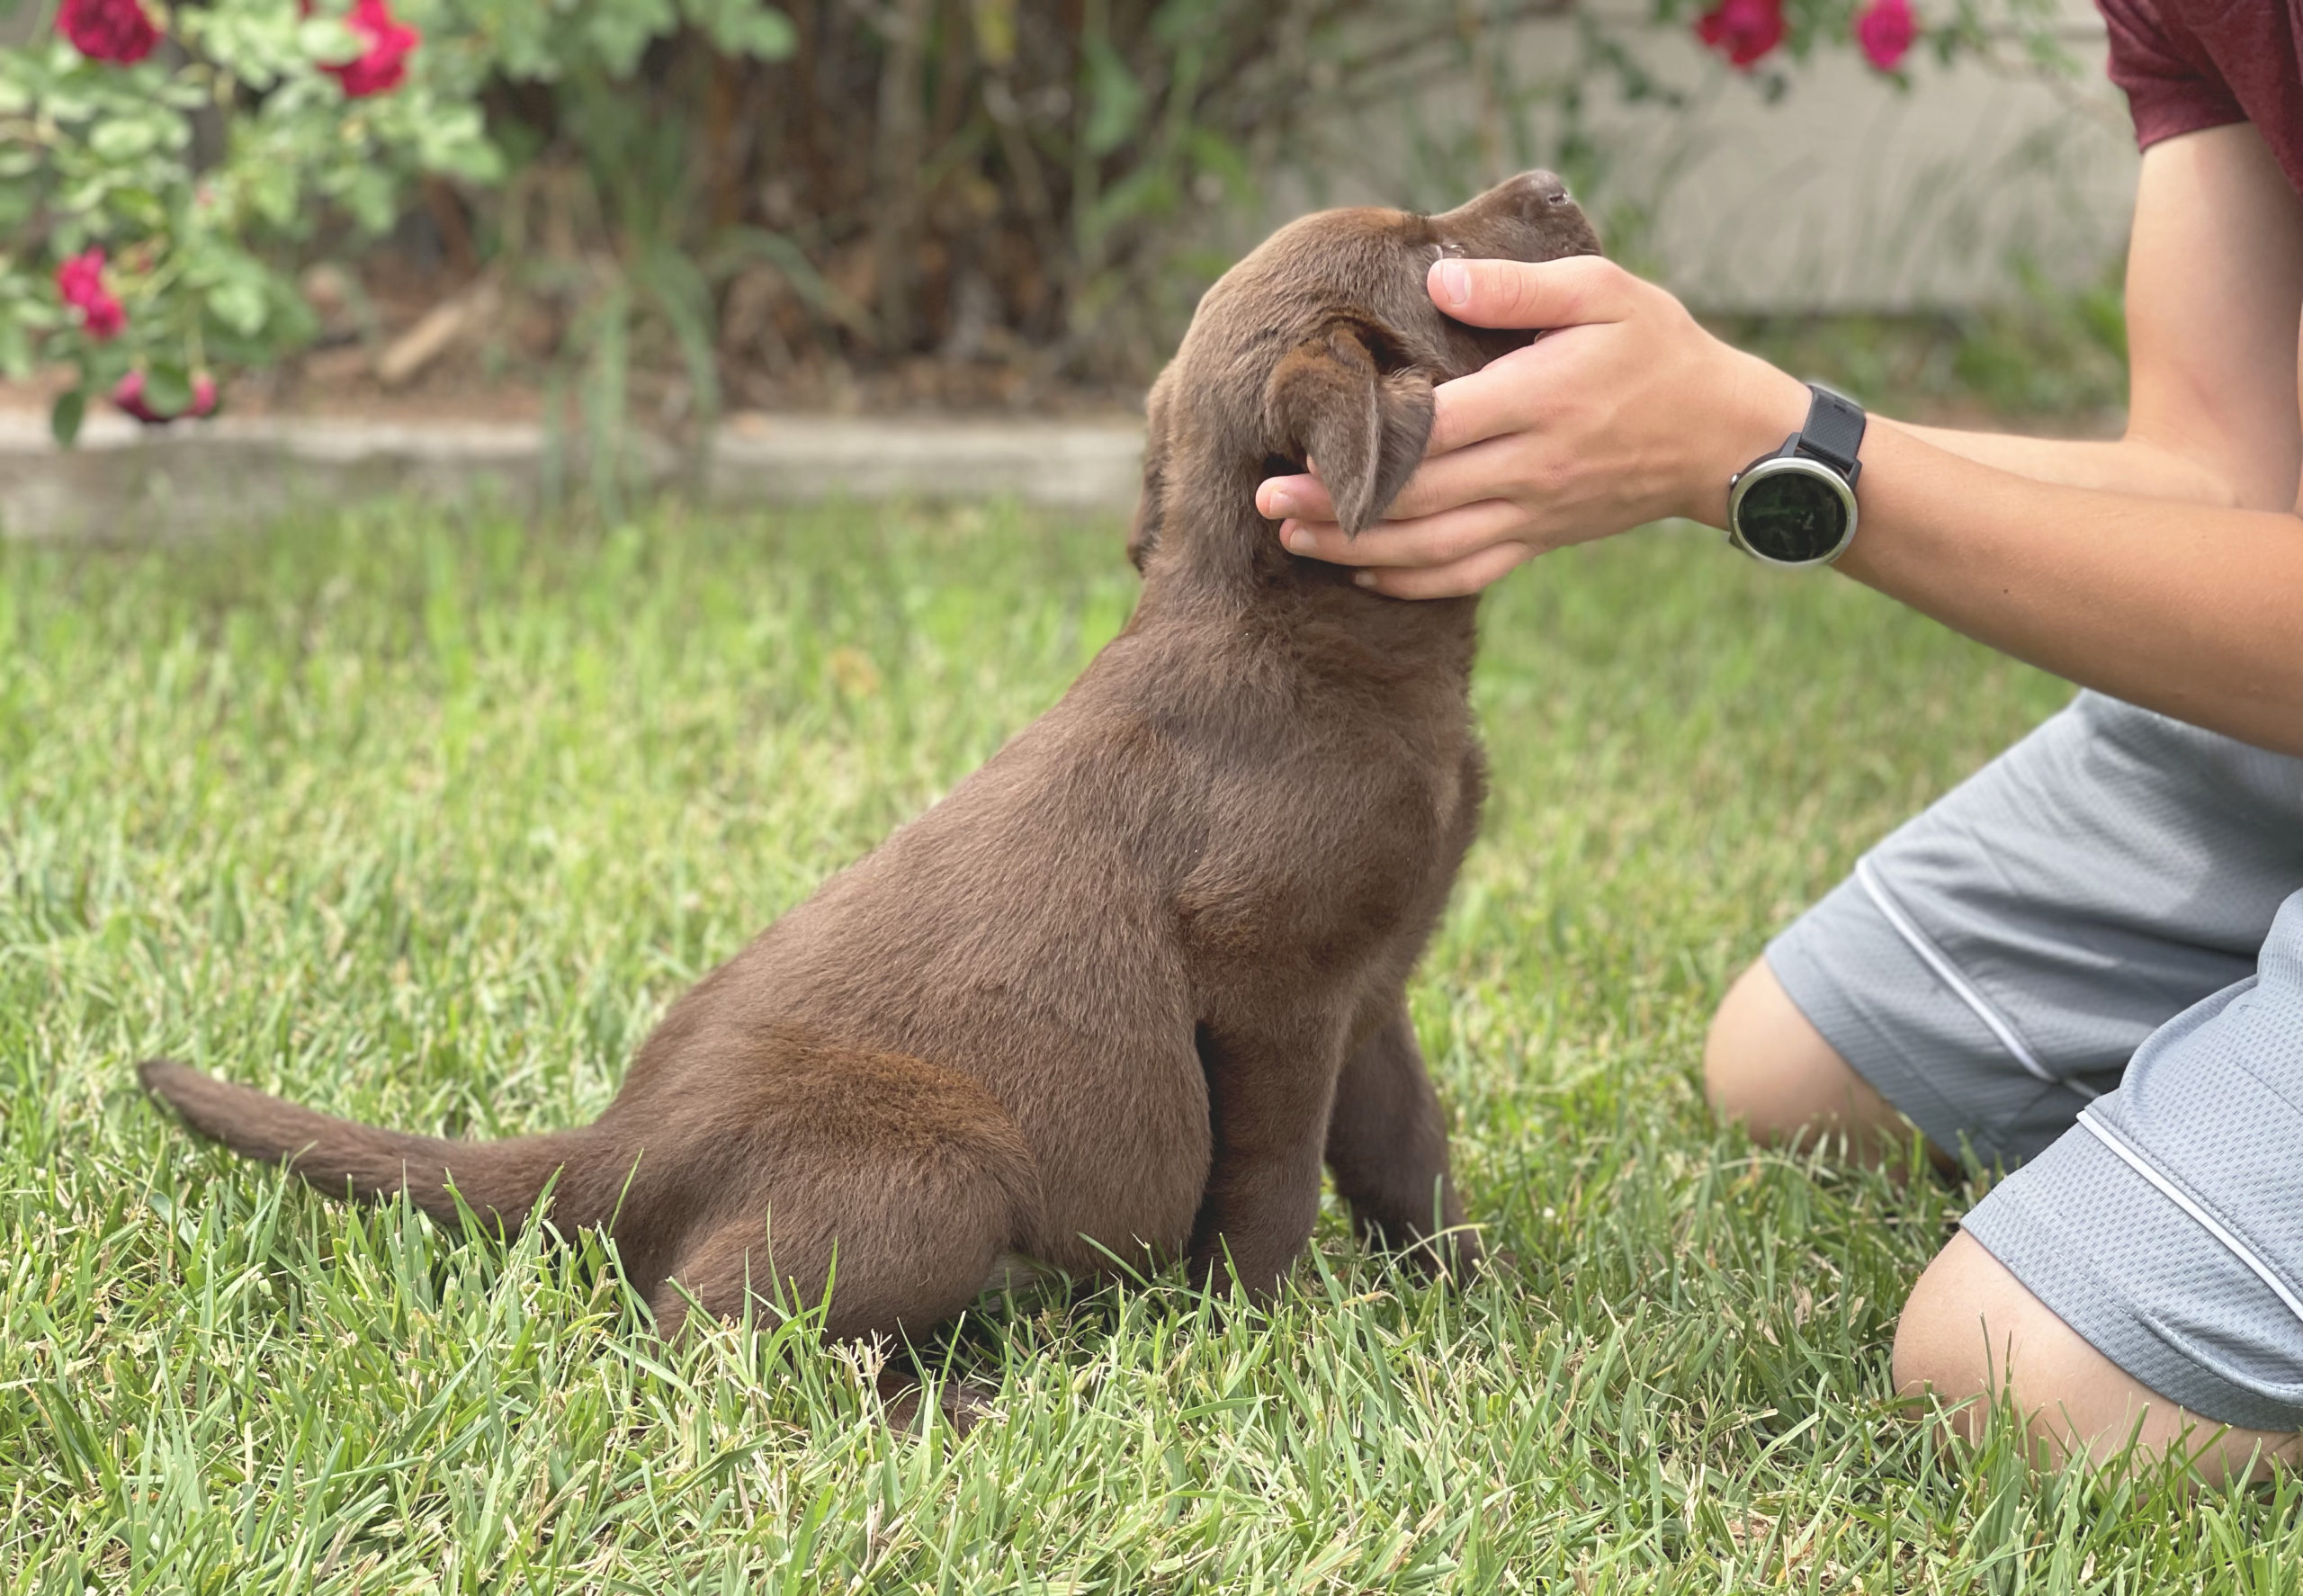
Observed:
{"x":1387,"y":1144}
{"x":890,"y":1277}
{"x":888,"y":1208}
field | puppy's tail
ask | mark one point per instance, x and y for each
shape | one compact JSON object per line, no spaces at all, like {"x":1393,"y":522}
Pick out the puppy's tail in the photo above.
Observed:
{"x":498,"y":1180}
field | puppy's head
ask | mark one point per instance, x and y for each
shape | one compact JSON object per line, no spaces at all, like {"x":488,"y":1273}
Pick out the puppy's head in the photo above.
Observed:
{"x":1323,"y":346}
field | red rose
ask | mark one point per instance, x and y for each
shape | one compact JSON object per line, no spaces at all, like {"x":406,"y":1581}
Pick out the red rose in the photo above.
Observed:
{"x":128,"y":395}
{"x":384,"y":63}
{"x":80,"y":281}
{"x":1742,"y":30}
{"x":1885,"y":30}
{"x":108,"y":30}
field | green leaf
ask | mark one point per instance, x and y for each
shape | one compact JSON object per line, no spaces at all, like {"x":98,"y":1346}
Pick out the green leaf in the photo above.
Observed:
{"x":620,"y":32}
{"x":65,"y":417}
{"x":328,"y":39}
{"x":1146,"y":193}
{"x":240,"y":302}
{"x":1211,"y":152}
{"x":744,"y":28}
{"x":123,"y":138}
{"x":15,"y":347}
{"x":1115,"y":101}
{"x":168,"y":389}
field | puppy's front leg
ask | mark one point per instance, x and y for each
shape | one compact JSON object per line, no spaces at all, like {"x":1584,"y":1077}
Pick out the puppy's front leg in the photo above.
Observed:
{"x":1387,"y":1143}
{"x":1269,"y":1086}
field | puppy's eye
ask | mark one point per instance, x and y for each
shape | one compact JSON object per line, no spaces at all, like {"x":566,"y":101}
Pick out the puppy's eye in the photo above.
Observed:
{"x":1562,"y":198}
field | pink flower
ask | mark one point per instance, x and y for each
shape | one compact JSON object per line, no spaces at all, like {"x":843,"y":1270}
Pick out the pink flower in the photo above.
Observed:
{"x":129,"y":395}
{"x":80,"y":281}
{"x":1742,"y":30}
{"x":108,"y":30}
{"x":1884,"y":29}
{"x":384,"y":63}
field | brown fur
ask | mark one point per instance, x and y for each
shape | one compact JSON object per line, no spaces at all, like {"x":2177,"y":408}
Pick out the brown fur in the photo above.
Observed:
{"x":1127,"y":987}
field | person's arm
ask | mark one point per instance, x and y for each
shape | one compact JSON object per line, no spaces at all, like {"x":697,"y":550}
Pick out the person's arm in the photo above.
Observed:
{"x":2215,"y":261}
{"x":2115,"y":465}
{"x":2191,"y":611}
{"x":2122,"y":566}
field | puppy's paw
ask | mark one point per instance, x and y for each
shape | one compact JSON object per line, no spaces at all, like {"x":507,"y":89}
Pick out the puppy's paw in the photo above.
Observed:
{"x":1228,"y":1279}
{"x":963,"y":1403}
{"x":1454,"y":1256}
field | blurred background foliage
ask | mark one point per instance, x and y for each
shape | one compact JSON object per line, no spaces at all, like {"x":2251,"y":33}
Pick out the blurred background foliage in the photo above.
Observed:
{"x":973,"y":201}
{"x":2053,"y":357}
{"x":686,"y":204}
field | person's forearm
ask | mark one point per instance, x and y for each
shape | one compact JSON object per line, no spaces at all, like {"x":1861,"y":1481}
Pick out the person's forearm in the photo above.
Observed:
{"x":2116,"y":465}
{"x":2190,"y":610}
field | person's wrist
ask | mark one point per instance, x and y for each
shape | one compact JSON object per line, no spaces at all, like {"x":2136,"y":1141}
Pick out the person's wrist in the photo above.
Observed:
{"x":1763,"y":407}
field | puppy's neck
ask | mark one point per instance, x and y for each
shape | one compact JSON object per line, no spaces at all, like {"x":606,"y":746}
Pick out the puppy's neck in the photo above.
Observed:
{"x":1220,"y":567}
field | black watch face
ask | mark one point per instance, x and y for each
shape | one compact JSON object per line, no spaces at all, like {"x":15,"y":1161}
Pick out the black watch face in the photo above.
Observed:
{"x":1791,"y":516}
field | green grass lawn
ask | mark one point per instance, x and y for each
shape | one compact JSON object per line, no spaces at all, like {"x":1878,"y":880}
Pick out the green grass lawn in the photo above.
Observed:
{"x":424,"y":820}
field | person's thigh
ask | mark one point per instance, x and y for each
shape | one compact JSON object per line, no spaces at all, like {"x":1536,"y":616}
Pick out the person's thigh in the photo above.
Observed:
{"x":1973,"y":1334}
{"x":2166,"y":1228}
{"x":1993,"y":964}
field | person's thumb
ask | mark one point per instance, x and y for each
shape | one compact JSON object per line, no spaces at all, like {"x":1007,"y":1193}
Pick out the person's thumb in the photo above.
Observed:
{"x":1567,"y":292}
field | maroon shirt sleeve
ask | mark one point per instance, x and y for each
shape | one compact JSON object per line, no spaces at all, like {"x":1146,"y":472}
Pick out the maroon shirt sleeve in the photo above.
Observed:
{"x":2172,"y":85}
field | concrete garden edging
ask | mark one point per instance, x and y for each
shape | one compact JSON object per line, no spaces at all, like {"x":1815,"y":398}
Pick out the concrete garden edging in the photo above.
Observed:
{"x":125,"y":480}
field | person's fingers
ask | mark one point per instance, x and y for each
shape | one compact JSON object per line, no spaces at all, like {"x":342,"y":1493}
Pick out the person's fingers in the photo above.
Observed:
{"x":1468,"y":575}
{"x":1430,"y":541}
{"x":1478,"y":472}
{"x":1569,"y":293}
{"x":1464,"y":476}
{"x":1504,"y":396}
{"x":1278,"y":498}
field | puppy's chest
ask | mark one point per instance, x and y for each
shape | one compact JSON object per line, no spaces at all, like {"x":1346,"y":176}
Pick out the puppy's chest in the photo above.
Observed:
{"x":1330,"y":864}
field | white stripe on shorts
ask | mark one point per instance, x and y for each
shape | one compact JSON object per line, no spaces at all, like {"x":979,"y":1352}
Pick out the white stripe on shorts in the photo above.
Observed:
{"x":2173,"y":1194}
{"x":1949,"y":975}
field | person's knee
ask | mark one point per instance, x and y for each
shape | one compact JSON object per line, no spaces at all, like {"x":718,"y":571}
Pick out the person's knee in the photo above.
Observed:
{"x":1767,"y":1067}
{"x":1972,"y":1335}
{"x":1946,"y":1345}
{"x":1739,"y":1044}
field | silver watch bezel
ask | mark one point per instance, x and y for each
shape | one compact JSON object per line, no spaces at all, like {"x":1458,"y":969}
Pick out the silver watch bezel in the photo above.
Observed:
{"x":1775,"y":465}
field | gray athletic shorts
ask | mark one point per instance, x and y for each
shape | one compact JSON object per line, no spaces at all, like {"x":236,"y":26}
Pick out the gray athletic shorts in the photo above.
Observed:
{"x":2088,"y":960}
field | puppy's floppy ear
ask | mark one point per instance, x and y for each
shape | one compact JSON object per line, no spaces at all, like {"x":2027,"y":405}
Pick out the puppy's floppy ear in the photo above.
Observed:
{"x":1144,"y":529}
{"x":1150,"y":505}
{"x":1330,"y":401}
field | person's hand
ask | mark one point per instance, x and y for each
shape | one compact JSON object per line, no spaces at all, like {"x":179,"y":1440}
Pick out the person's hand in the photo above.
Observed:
{"x":1623,"y":411}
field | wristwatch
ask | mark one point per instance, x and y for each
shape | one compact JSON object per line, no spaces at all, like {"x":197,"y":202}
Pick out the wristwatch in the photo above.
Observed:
{"x":1796,"y":507}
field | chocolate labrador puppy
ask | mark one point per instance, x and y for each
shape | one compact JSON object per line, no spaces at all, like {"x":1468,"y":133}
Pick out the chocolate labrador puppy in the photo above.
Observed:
{"x":1124,"y":990}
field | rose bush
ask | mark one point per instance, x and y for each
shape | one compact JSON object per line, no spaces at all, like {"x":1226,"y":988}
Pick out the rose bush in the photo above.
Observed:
{"x":153,"y":202}
{"x":1745,"y":32}
{"x":932,"y":175}
{"x":128,"y":394}
{"x":108,"y":30}
{"x":80,"y":284}
{"x":1884,"y":31}
{"x":385,"y":44}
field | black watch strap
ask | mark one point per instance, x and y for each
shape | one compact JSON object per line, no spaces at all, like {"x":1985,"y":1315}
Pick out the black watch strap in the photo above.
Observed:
{"x":1834,"y":431}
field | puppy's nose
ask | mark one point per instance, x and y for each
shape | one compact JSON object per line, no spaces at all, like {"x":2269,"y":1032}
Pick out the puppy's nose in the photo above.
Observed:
{"x":1542,"y":191}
